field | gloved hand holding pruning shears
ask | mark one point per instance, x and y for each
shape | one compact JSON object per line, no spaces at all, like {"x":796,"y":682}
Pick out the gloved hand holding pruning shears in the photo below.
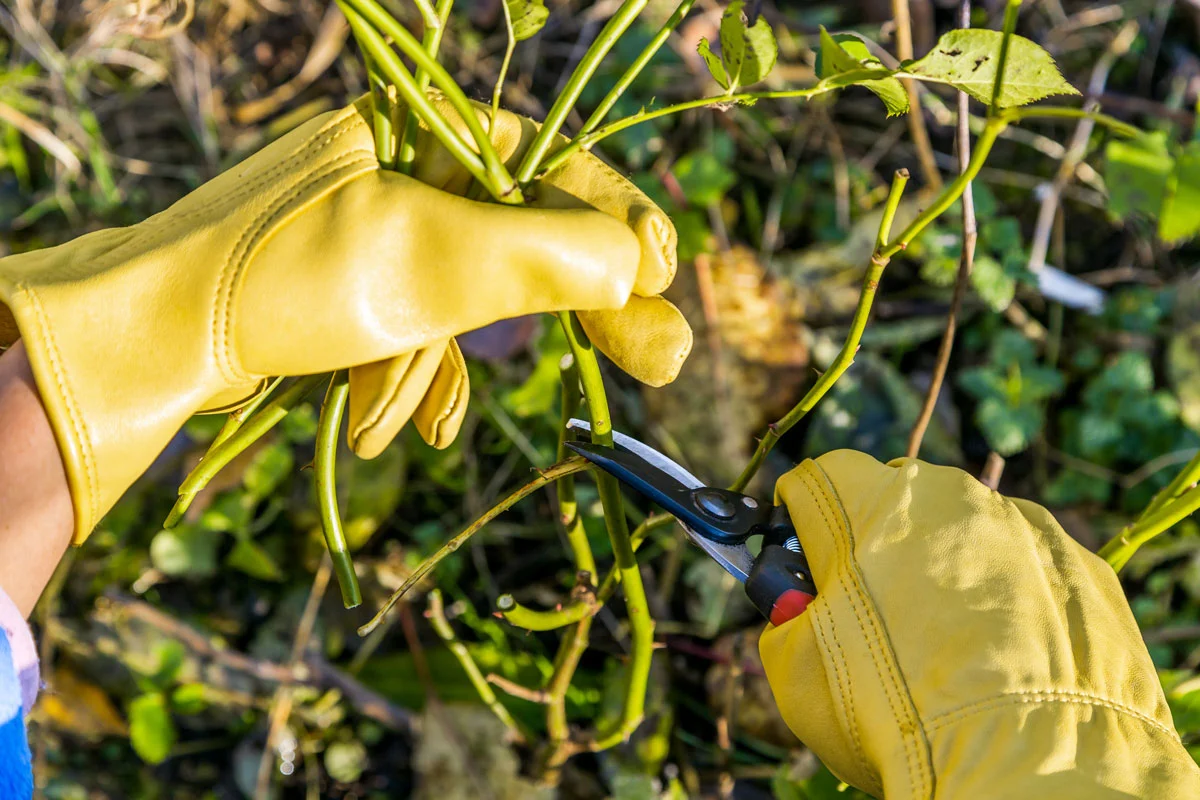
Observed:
{"x":930,"y":637}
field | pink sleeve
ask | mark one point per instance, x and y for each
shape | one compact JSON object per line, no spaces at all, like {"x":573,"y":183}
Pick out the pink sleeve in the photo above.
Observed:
{"x":24,"y":652}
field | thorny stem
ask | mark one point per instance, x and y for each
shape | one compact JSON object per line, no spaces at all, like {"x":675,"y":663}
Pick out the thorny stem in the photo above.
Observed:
{"x":1187,"y":477}
{"x":1121,"y":548}
{"x":637,"y":607}
{"x":509,"y":47}
{"x":367,"y":18}
{"x":879,"y":260}
{"x":1168,"y":507}
{"x":254,"y":429}
{"x":635,"y":69}
{"x":1063,"y":112}
{"x":558,"y":733}
{"x":393,"y":68}
{"x":983,"y":147}
{"x":428,"y":15}
{"x":953,"y":191}
{"x":587,"y":141}
{"x":237,"y":418}
{"x":559,"y":747}
{"x":431,"y":42}
{"x":965,"y":264}
{"x":575,"y":641}
{"x":437,"y":618}
{"x":381,"y":116}
{"x":533,"y":620}
{"x":616,"y":26}
{"x":568,"y":505}
{"x":500,"y":179}
{"x":545,"y":477}
{"x":324,"y":468}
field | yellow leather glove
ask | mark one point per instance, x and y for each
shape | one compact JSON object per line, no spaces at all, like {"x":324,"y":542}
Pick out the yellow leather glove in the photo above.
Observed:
{"x":961,"y":645}
{"x":647,"y":337}
{"x":307,"y":258}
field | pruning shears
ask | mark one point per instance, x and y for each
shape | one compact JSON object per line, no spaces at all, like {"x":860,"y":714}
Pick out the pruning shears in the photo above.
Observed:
{"x":778,"y":582}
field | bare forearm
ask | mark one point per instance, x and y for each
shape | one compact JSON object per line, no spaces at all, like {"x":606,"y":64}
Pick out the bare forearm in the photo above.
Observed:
{"x":36,"y":521}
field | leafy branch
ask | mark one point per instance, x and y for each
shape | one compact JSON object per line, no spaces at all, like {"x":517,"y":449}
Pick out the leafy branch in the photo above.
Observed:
{"x":1176,"y":502}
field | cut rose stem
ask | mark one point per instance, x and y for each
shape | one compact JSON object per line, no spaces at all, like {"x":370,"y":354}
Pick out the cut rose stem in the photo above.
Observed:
{"x":253,"y":429}
{"x":329,"y":425}
{"x":637,"y":607}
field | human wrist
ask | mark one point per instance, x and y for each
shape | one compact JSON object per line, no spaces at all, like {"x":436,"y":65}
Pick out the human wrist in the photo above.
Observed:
{"x":38,"y":521}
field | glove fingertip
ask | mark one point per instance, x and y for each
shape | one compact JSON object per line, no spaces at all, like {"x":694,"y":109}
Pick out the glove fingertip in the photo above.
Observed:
{"x":649,"y":338}
{"x":441,"y":412}
{"x":659,"y":242}
{"x":384,"y":395}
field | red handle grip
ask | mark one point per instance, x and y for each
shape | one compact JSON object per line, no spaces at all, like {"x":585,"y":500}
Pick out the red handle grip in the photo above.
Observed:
{"x":780,"y":584}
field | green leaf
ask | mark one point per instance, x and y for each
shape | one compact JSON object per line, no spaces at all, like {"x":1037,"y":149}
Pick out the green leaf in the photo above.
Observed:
{"x":982,"y":383}
{"x":1137,"y":172}
{"x":190,"y":698}
{"x":703,"y":178}
{"x":254,"y":561}
{"x":967,"y":59}
{"x":995,"y":286}
{"x":1180,"y":218}
{"x":270,"y":467}
{"x":1040,"y":382}
{"x":749,"y":51}
{"x":346,"y":761}
{"x":170,"y":655}
{"x":940,"y":271}
{"x":228,"y":513}
{"x":185,"y":552}
{"x":1071,"y":488}
{"x":1008,"y":429}
{"x":527,"y":17}
{"x":845,"y":55}
{"x":1011,"y":346}
{"x":1183,"y":370}
{"x":713,"y":61}
{"x":539,"y":393}
{"x":151,"y":731}
{"x":1097,"y":433}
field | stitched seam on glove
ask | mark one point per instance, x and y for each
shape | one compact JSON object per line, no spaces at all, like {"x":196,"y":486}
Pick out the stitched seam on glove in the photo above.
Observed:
{"x":843,"y":688}
{"x":455,"y":399}
{"x":79,"y":427}
{"x":1046,"y":696}
{"x":872,"y":629}
{"x":170,"y":223}
{"x":357,"y":164}
{"x":382,"y":404}
{"x":446,"y":413}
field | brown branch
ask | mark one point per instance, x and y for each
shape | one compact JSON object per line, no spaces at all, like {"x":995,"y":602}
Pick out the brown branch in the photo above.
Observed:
{"x":515,"y":689}
{"x":916,"y":117}
{"x":281,"y":703}
{"x":993,"y":468}
{"x":315,"y":671}
{"x":965,"y":264}
{"x":1048,"y":210}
